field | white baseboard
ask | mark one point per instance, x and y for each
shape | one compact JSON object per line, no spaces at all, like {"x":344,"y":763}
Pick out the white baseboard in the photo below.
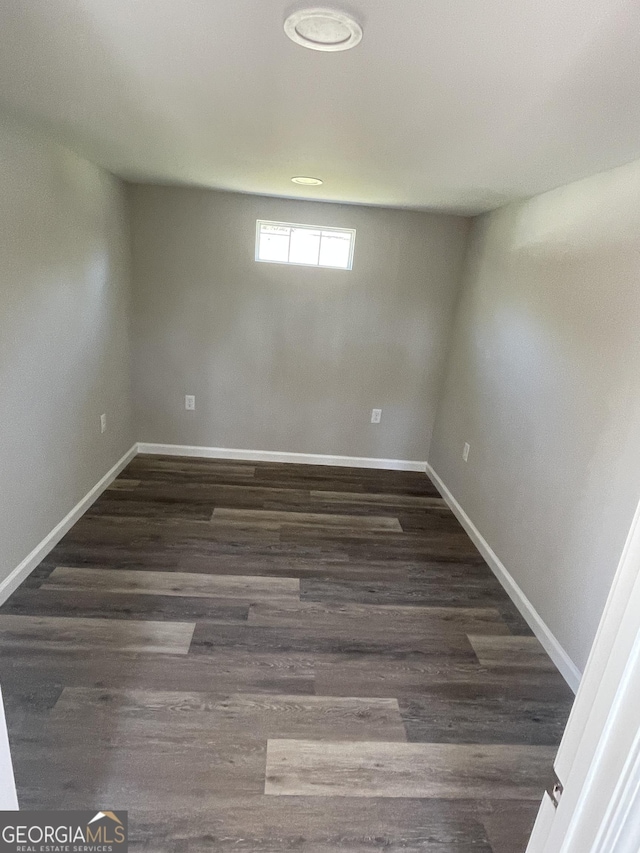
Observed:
{"x":15,"y":578}
{"x":558,"y":655}
{"x":278,"y":456}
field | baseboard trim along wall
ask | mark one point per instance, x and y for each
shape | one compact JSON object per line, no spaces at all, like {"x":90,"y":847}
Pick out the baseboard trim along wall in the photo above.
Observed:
{"x":558,"y":655}
{"x":278,"y":456}
{"x":568,"y":669}
{"x":21,"y":571}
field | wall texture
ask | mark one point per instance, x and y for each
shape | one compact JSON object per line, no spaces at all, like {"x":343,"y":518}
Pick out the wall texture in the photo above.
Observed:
{"x":289,"y":358}
{"x":543,"y":380}
{"x":64,"y":335}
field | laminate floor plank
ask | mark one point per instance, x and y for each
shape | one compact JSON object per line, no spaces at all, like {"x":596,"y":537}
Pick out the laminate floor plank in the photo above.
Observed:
{"x":322,"y":564}
{"x":132,"y":719}
{"x":428,"y":592}
{"x":337,"y":566}
{"x":321,"y":639}
{"x":233,"y":495}
{"x":365,"y":523}
{"x":351,"y":619}
{"x":142,"y":772}
{"x":428,"y":521}
{"x":532,"y":722}
{"x":74,"y":634}
{"x":326,"y":482}
{"x":380,"y":544}
{"x":123,"y":484}
{"x":508,"y":824}
{"x":100,"y":555}
{"x":106,"y":506}
{"x":222,"y":670}
{"x":27,"y":707}
{"x":455,"y":676}
{"x":87,"y":603}
{"x":511,"y":653}
{"x":315,"y":824}
{"x":117,"y":528}
{"x":183,"y":469}
{"x":177,"y":584}
{"x":170,"y":531}
{"x":321,"y":567}
{"x":240,"y":558}
{"x":367,"y":769}
{"x":322,"y":478}
{"x":394,"y":500}
{"x":436,"y":519}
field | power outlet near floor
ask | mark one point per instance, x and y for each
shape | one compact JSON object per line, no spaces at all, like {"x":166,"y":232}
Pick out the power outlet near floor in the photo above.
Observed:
{"x":465,"y":451}
{"x":190,"y":402}
{"x":376,"y":416}
{"x":103,"y":423}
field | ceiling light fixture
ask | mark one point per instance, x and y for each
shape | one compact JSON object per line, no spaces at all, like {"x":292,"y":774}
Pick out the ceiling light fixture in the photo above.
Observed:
{"x":323,"y":29}
{"x":306,"y":182}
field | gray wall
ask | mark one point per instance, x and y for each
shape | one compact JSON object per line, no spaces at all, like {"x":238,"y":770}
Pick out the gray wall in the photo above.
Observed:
{"x":543,"y":380}
{"x":289,"y":358}
{"x":64,"y":343}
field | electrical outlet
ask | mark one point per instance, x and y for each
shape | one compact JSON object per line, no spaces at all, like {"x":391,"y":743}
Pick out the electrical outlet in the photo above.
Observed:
{"x":103,"y":423}
{"x":376,"y":416}
{"x":190,"y":402}
{"x":465,"y":451}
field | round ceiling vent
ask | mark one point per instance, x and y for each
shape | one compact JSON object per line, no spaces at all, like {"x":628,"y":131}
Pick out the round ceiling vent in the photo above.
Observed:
{"x":323,"y":29}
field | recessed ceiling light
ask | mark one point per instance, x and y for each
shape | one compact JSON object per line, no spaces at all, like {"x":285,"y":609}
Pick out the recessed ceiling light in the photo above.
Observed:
{"x":323,"y":29}
{"x":307,"y":182}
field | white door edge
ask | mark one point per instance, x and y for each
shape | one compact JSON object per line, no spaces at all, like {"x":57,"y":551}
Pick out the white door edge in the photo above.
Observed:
{"x":8,"y":795}
{"x":599,"y":759}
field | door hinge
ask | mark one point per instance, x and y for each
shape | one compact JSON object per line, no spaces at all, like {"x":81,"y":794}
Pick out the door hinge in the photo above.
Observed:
{"x":555,"y":790}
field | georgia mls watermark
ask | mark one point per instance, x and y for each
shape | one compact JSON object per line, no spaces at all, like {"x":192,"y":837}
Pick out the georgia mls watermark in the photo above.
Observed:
{"x":63,"y":832}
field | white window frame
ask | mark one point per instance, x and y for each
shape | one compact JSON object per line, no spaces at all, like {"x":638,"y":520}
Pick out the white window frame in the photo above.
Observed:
{"x":350,"y":231}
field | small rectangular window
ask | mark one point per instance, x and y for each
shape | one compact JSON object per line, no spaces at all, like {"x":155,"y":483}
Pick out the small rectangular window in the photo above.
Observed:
{"x":286,"y":243}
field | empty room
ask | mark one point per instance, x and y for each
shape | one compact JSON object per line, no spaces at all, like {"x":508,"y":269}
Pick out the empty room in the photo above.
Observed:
{"x":320,"y":426}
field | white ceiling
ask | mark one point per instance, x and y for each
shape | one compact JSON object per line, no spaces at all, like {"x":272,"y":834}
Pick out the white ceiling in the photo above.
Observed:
{"x":446,"y":104}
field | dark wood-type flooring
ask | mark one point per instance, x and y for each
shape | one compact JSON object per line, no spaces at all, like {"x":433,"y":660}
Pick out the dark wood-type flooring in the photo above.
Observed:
{"x":269,"y":658}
